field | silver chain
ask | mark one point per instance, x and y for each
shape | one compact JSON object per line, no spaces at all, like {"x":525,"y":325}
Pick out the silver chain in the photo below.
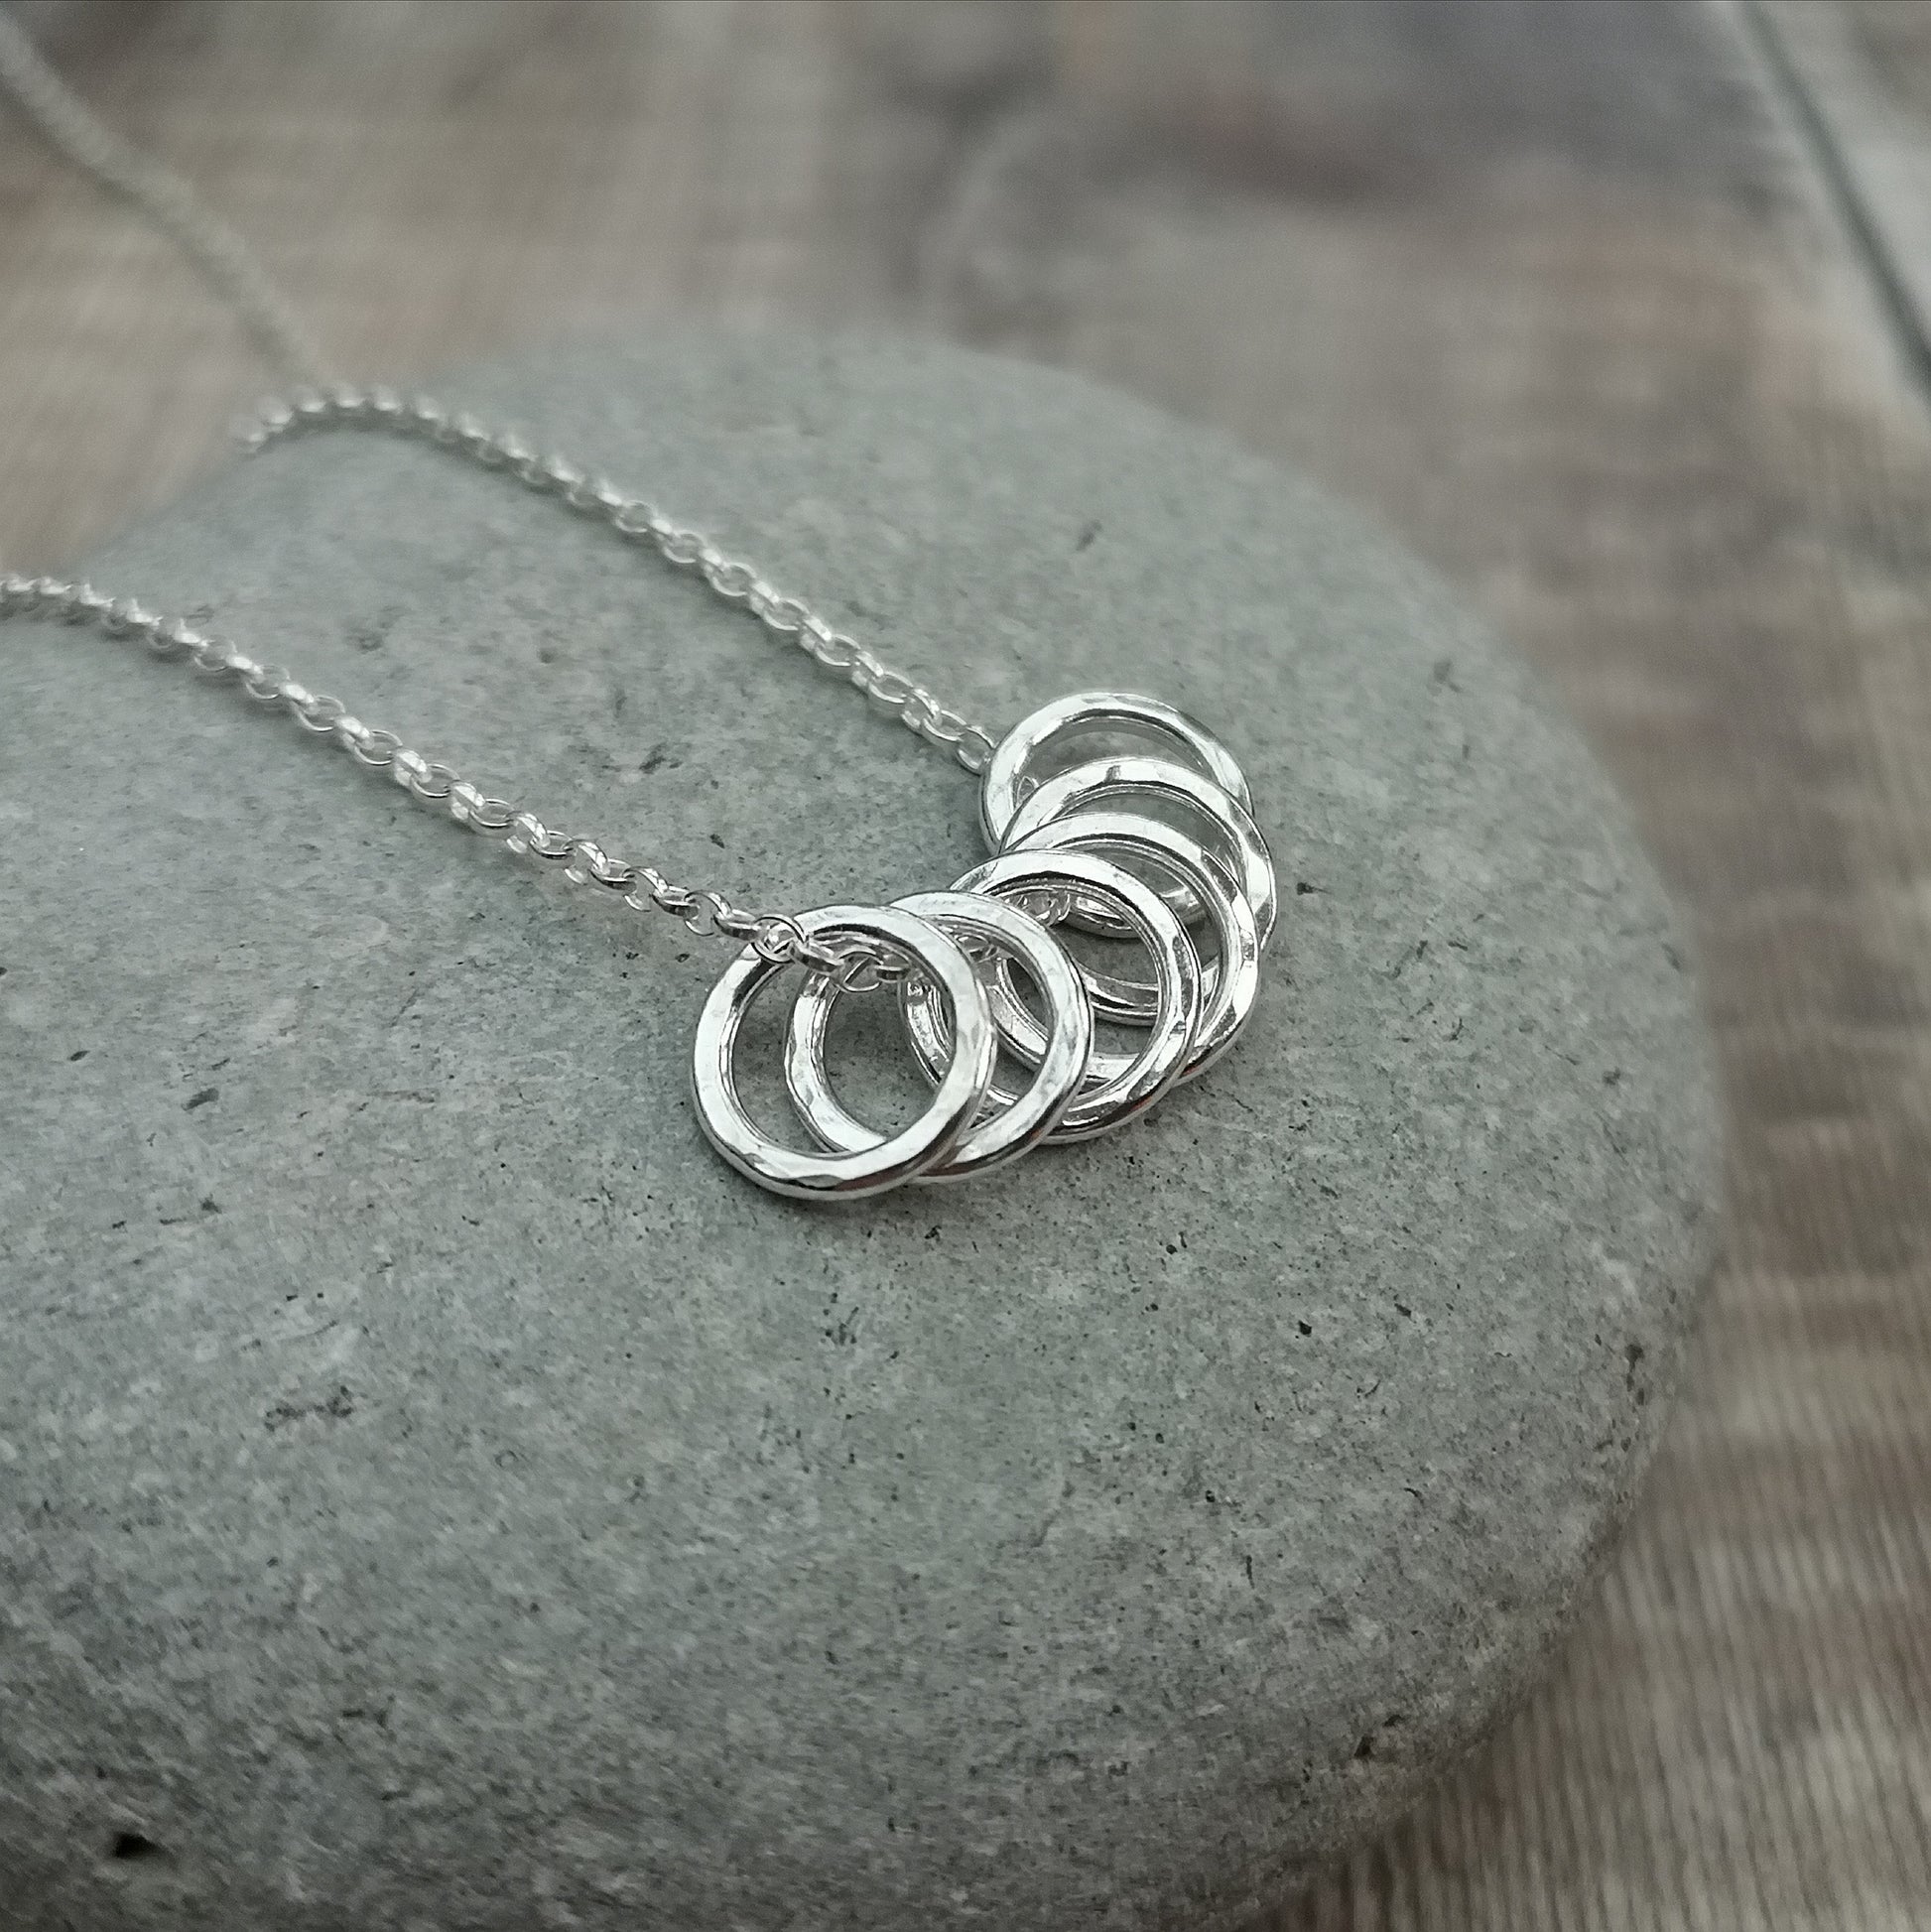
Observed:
{"x":225,"y":262}
{"x":702,"y":910}
{"x":169,"y":203}
{"x":422,"y":419}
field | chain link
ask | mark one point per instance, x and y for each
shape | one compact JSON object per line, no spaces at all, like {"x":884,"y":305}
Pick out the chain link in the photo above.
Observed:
{"x":702,"y":910}
{"x":170,"y":205}
{"x":422,"y":419}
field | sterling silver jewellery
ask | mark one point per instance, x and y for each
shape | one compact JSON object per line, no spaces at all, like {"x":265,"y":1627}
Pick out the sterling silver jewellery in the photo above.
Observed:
{"x":1152,"y":845}
{"x":1146,"y":846}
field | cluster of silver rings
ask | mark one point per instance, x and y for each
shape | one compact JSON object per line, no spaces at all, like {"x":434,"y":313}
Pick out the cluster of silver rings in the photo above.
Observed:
{"x":1143,"y":845}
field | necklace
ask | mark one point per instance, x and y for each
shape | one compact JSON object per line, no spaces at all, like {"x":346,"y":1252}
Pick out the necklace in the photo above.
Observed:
{"x":1078,"y":845}
{"x":1146,"y":845}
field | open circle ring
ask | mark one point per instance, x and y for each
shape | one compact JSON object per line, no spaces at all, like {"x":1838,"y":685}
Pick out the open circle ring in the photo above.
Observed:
{"x":926,"y":1141}
{"x":1018,"y":760}
{"x":1124,"y":1092}
{"x":1229,"y":983}
{"x":1011,"y":1123}
{"x":1231,"y":837}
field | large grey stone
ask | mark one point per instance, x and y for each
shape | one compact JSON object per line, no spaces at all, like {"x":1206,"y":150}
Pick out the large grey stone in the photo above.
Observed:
{"x":437,"y":1493}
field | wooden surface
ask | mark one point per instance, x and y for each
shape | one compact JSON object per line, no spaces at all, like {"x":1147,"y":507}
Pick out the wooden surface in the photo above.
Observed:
{"x":1570,"y":295}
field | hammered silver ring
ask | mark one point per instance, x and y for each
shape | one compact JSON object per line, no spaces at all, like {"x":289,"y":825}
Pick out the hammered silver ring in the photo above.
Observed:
{"x":1021,"y":762}
{"x":1108,"y":1098}
{"x":1010,"y":1123}
{"x":819,"y":1175}
{"x":1229,"y":835}
{"x":1230,"y":982}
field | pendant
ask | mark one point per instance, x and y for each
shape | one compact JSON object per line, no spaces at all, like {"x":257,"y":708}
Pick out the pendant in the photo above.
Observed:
{"x":1074,"y":843}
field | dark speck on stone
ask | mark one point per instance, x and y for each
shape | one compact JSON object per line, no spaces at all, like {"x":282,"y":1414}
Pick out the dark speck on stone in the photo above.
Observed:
{"x":206,"y":1096}
{"x":336,"y":1407}
{"x":78,"y":1054}
{"x":132,"y":1847}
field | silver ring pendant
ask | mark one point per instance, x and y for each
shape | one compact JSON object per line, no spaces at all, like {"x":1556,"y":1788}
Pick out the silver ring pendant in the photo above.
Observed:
{"x":1231,"y":837}
{"x":1229,"y":983}
{"x":963,"y":1077}
{"x":1019,"y":763}
{"x":1010,"y":1123}
{"x":1122,"y":1094}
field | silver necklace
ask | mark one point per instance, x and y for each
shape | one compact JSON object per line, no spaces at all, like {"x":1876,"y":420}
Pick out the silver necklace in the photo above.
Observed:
{"x":1095,"y":843}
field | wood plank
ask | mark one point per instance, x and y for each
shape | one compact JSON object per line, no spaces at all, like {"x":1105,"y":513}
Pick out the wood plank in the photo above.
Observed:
{"x":1859,"y":73}
{"x":1556,"y":290}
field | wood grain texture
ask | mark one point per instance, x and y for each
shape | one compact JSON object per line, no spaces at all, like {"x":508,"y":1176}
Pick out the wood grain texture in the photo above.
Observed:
{"x":1554,"y":288}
